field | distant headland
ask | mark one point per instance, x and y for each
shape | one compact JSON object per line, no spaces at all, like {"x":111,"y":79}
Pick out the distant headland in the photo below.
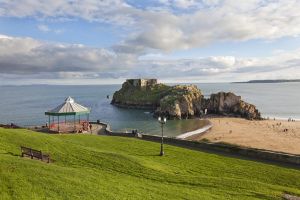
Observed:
{"x":180,"y":101}
{"x":271,"y":81}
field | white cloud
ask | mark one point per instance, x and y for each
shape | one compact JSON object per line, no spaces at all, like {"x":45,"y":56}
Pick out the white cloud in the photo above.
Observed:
{"x":188,"y":4}
{"x":34,"y":59}
{"x":185,"y":24}
{"x":4,"y":37}
{"x":46,"y":29}
{"x":183,"y":4}
{"x":168,"y":29}
{"x":29,"y":56}
{"x":229,"y":21}
{"x":43,"y":28}
{"x":58,"y":31}
{"x":92,"y":10}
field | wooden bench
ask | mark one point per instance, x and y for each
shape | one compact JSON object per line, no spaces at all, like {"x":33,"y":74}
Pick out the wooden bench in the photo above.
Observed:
{"x":32,"y":153}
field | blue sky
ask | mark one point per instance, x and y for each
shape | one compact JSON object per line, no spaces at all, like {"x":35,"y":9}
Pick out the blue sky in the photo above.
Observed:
{"x":91,"y":42}
{"x":78,"y":31}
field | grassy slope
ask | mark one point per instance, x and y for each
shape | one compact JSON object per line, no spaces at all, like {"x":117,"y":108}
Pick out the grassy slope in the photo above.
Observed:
{"x":102,"y":167}
{"x":138,"y":96}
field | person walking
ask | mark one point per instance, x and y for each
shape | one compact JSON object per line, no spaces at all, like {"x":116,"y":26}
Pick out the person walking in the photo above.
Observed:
{"x":91,"y":126}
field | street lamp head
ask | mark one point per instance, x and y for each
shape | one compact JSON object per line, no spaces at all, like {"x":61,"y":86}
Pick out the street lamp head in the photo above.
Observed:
{"x":162,"y":120}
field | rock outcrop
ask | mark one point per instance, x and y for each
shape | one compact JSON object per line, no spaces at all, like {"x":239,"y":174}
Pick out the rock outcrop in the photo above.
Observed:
{"x":230,"y":104}
{"x":140,"y":93}
{"x":180,"y":101}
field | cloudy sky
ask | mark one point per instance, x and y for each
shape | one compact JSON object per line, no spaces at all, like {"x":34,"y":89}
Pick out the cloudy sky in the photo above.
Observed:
{"x":107,"y":41}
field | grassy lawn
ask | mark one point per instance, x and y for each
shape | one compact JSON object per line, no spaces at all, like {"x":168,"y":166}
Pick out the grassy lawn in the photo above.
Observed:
{"x":103,"y":167}
{"x":152,"y":95}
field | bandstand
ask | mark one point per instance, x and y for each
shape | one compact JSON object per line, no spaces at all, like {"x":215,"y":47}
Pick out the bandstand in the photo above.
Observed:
{"x":68,"y":117}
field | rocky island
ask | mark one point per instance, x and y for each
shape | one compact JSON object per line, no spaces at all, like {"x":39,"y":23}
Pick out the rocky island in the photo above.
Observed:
{"x":180,"y":101}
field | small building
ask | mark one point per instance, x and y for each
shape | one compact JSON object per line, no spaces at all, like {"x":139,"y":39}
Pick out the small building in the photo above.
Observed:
{"x":142,"y":83}
{"x":61,"y":117}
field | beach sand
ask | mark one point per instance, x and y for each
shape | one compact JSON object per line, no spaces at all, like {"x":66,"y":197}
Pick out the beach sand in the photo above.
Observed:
{"x":265,"y":134}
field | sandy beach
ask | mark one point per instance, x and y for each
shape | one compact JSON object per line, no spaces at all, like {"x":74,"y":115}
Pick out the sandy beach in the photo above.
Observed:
{"x":276,"y":135}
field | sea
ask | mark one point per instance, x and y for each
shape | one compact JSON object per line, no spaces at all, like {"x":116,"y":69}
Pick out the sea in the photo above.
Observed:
{"x":26,"y":105}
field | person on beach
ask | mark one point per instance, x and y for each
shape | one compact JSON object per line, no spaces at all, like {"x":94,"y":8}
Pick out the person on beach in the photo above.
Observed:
{"x":91,"y":126}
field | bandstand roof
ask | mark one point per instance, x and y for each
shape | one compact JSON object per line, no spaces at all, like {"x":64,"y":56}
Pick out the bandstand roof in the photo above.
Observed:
{"x":69,"y":107}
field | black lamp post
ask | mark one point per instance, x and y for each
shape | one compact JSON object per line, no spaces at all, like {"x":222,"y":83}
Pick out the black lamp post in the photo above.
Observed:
{"x":162,"y":122}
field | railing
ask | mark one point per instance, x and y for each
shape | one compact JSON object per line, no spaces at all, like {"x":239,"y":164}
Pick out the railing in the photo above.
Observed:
{"x":217,"y":147}
{"x":263,"y":154}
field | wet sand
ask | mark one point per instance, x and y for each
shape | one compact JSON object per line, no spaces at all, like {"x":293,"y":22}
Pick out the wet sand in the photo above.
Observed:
{"x":276,"y":135}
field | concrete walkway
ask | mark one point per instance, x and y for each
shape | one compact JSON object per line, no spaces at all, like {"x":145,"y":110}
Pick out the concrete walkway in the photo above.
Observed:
{"x":98,"y":129}
{"x":191,"y":133}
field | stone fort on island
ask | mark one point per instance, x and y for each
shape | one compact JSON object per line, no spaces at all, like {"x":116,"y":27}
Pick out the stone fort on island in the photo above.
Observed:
{"x":142,"y":83}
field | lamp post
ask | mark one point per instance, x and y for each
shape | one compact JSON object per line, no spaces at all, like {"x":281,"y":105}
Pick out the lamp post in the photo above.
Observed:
{"x":162,"y":122}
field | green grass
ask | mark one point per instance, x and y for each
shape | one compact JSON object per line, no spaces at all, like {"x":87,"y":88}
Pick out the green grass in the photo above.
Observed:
{"x":103,"y":167}
{"x":151,"y":95}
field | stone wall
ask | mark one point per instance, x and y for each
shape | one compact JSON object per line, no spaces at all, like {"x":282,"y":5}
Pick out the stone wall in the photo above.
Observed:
{"x":108,"y":130}
{"x":231,"y":149}
{"x":142,"y":83}
{"x":253,"y":153}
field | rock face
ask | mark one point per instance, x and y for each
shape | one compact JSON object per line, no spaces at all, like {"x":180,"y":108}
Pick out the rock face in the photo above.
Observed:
{"x":140,"y":93}
{"x":230,"y":104}
{"x":180,"y":101}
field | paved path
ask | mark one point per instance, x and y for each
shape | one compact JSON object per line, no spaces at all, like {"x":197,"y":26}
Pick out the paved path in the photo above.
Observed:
{"x":98,"y":129}
{"x":191,"y":133}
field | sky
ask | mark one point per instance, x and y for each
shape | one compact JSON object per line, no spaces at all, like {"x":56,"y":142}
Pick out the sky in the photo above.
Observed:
{"x":108,"y":41}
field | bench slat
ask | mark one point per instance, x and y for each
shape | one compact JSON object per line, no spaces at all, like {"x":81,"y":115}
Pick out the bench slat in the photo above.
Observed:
{"x":34,"y":154}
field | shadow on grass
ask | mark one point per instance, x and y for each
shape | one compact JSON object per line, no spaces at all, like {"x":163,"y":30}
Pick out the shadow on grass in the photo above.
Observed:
{"x":238,"y":156}
{"x":11,"y":153}
{"x":149,"y":155}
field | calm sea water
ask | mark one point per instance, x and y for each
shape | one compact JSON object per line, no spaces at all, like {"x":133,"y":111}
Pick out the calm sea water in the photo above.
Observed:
{"x":25,"y":105}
